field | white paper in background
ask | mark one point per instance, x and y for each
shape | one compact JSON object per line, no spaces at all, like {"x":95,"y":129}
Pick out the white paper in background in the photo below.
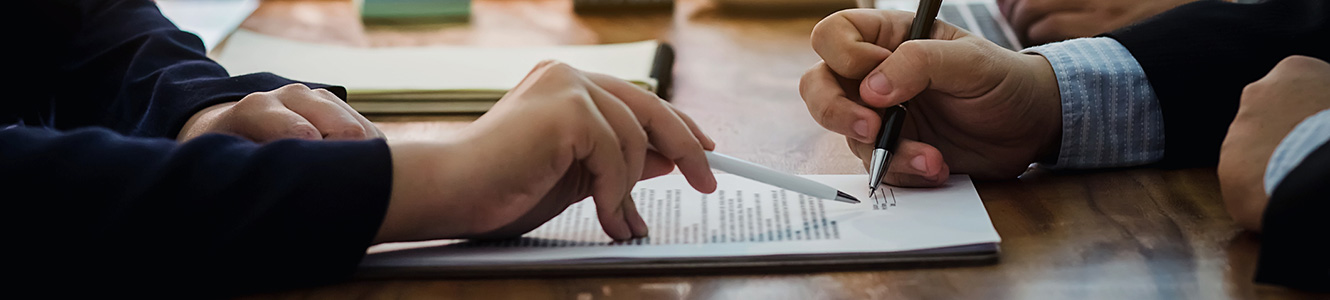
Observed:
{"x":979,"y":17}
{"x":743,"y":218}
{"x":211,"y":20}
{"x":425,"y":68}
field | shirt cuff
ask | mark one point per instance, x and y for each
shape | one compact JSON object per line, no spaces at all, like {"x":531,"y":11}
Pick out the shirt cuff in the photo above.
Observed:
{"x":1306,"y":137}
{"x":1110,"y":114}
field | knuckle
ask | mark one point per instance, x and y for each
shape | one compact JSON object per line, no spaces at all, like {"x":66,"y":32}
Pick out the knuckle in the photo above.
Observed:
{"x":637,"y":137}
{"x":254,"y":101}
{"x":1254,"y":92}
{"x":545,"y":63}
{"x":581,"y":103}
{"x":326,"y":93}
{"x":557,"y":66}
{"x":688,"y":150}
{"x":1300,"y":69}
{"x":823,"y":28}
{"x":806,"y":81}
{"x":294,"y":87}
{"x":909,"y":48}
{"x":825,"y":115}
{"x":638,"y":144}
{"x":303,"y":129}
{"x":1296,"y":61}
{"x":917,"y":51}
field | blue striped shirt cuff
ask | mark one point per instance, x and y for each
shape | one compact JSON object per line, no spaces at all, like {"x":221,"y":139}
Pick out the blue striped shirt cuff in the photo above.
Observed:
{"x":1110,"y":115}
{"x":1310,"y":134}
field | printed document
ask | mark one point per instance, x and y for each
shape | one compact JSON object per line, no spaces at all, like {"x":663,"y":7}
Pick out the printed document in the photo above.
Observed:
{"x":742,"y":220}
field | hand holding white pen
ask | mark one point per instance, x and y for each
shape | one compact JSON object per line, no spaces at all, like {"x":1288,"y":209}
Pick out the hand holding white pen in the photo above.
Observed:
{"x":776,"y":178}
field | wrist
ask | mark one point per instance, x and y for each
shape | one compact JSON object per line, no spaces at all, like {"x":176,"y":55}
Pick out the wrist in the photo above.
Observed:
{"x":1046,"y":100}
{"x":205,"y":118}
{"x":423,"y":203}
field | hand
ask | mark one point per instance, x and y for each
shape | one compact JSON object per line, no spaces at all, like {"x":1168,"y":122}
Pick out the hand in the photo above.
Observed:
{"x":291,"y":111}
{"x":990,"y":111}
{"x":1270,"y":108}
{"x":559,"y":136}
{"x":1038,"y":22}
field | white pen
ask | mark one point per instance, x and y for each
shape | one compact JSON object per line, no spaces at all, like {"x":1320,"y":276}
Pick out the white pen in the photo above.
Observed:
{"x":777,"y":178}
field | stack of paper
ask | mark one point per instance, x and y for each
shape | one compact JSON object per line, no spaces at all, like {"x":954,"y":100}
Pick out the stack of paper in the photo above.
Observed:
{"x":210,"y":20}
{"x":745,"y":225}
{"x":426,"y":79}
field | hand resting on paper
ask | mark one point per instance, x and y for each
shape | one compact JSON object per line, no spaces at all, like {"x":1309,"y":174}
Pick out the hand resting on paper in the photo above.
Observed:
{"x":293,"y":111}
{"x":559,"y":136}
{"x":988,"y":111}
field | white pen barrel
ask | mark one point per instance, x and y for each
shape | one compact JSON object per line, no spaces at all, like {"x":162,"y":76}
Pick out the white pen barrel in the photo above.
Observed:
{"x":769,"y":176}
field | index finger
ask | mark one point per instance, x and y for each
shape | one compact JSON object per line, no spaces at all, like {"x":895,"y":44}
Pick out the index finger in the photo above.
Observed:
{"x":667,"y":130}
{"x":855,"y":41}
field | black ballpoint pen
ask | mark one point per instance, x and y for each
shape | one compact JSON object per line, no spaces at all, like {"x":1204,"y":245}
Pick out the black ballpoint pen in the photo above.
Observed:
{"x":894,"y":117}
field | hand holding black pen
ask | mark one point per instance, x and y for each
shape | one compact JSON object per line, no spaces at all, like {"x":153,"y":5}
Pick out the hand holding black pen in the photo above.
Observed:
{"x":893,"y":117}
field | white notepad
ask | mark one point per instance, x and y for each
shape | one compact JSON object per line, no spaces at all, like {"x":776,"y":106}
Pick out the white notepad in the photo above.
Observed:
{"x":425,"y":79}
{"x":745,"y":224}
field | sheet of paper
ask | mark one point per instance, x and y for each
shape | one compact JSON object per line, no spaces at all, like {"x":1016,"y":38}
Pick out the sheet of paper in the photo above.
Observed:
{"x":430,"y":68}
{"x":979,"y":17}
{"x":742,"y":218}
{"x":211,"y":20}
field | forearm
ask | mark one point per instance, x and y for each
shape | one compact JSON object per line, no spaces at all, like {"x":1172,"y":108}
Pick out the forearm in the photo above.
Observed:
{"x":217,"y":213}
{"x":134,"y":72}
{"x":420,"y":190}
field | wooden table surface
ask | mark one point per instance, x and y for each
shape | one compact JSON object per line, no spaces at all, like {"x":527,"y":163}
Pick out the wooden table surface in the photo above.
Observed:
{"x":1115,"y":234}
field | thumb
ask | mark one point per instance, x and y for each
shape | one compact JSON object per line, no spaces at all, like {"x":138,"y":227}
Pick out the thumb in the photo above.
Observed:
{"x":959,"y":67}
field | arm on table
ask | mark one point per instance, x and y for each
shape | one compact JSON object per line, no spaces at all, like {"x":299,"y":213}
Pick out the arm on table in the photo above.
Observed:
{"x":216,"y":215}
{"x":123,"y":66}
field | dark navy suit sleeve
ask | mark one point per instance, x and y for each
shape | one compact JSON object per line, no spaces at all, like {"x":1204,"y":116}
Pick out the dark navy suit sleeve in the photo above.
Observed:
{"x":1293,"y":247}
{"x":1199,"y":57}
{"x":120,"y":64}
{"x":216,"y":215}
{"x":100,"y":200}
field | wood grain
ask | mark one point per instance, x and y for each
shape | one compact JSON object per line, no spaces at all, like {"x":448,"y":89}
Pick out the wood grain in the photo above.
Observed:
{"x":1114,"y":234}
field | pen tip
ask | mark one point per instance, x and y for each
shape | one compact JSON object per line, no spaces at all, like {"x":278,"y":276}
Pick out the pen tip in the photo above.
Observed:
{"x":847,"y":197}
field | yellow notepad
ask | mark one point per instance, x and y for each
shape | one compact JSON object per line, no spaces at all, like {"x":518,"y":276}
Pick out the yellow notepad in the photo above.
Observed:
{"x":430,"y":79}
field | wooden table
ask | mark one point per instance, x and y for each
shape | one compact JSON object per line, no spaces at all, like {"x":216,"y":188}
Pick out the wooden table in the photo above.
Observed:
{"x":1115,"y":234}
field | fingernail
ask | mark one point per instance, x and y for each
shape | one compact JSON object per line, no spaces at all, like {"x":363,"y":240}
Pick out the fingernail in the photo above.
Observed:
{"x":919,"y":164}
{"x":861,"y":128}
{"x":878,"y":83}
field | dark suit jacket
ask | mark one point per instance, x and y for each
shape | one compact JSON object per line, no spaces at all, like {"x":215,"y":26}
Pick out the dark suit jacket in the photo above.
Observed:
{"x":1199,"y":57}
{"x":102,"y":199}
{"x":1294,"y":250}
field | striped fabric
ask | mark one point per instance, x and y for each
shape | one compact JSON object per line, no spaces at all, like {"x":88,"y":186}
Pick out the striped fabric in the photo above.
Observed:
{"x":1305,"y":138}
{"x":1110,"y":115}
